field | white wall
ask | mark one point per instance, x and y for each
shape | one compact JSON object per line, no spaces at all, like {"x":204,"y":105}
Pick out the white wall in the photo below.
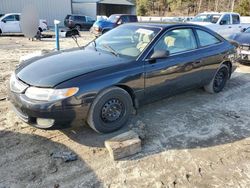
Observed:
{"x":245,"y":19}
{"x":88,"y":9}
{"x":47,"y":9}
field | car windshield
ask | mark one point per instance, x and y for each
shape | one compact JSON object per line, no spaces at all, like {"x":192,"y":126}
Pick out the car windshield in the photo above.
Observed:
{"x":113,"y":18}
{"x":213,"y":18}
{"x":126,"y":40}
{"x":247,"y":30}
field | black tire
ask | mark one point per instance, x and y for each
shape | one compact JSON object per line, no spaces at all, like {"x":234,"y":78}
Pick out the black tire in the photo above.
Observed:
{"x":219,"y":81}
{"x":110,"y":110}
{"x":0,"y":32}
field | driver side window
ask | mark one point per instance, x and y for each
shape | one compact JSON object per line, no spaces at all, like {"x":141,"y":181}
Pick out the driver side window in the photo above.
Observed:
{"x":225,"y":20}
{"x":178,"y":40}
{"x":9,"y":18}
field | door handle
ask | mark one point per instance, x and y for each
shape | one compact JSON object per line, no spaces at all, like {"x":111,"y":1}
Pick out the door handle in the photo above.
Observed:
{"x":229,"y":27}
{"x":197,"y":62}
{"x":239,"y":26}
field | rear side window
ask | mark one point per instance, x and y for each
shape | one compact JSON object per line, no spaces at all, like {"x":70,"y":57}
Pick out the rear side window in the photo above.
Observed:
{"x":236,"y":19}
{"x":17,"y":17}
{"x":79,"y":18}
{"x":133,"y":18}
{"x":124,"y":19}
{"x":89,"y":19}
{"x":83,"y":18}
{"x":206,"y":38}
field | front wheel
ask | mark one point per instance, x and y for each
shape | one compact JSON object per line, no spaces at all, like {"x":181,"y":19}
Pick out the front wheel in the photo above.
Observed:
{"x":110,"y":110}
{"x":219,"y":81}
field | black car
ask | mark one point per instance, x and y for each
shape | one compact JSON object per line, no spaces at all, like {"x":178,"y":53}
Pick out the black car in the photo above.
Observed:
{"x":78,"y":22}
{"x":243,"y":40}
{"x":123,"y":69}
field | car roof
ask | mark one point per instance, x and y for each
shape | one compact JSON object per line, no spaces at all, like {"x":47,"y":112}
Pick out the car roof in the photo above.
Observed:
{"x":164,"y":25}
{"x":76,"y":15}
{"x":12,"y":14}
{"x":219,"y":13}
{"x":122,"y":15}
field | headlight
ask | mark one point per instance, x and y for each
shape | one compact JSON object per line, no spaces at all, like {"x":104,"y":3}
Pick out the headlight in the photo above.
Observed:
{"x":97,"y":28}
{"x":16,"y":85}
{"x":47,"y":94}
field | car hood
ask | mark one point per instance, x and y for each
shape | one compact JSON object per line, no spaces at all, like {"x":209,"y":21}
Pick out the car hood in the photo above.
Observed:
{"x":104,"y":23}
{"x":54,"y":68}
{"x":242,"y":38}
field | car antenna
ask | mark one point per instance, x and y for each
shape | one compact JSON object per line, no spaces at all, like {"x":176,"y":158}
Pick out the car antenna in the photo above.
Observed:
{"x":75,"y":39}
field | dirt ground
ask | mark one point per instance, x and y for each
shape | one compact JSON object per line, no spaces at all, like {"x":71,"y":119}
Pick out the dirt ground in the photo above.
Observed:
{"x":194,"y":139}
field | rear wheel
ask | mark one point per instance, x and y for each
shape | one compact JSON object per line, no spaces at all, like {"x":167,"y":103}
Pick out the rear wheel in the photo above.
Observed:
{"x":0,"y":32}
{"x":219,"y":81}
{"x":110,"y":110}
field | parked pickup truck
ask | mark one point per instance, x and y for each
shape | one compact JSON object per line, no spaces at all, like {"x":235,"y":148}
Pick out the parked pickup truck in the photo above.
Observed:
{"x":10,"y":23}
{"x":224,"y":23}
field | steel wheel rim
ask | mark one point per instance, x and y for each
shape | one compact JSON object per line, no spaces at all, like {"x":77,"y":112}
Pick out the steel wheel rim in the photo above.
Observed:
{"x":219,"y":80}
{"x":112,"y":111}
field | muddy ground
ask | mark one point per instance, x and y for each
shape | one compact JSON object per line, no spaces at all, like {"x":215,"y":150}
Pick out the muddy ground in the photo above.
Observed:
{"x":194,"y":139}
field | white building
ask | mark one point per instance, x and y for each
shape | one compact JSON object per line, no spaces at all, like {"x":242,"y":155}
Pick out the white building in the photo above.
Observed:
{"x":103,"y":7}
{"x":47,"y":9}
{"x":58,"y":9}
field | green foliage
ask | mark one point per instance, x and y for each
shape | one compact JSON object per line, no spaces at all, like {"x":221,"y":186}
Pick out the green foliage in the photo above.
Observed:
{"x":184,"y":7}
{"x":141,"y":10}
{"x":243,"y":8}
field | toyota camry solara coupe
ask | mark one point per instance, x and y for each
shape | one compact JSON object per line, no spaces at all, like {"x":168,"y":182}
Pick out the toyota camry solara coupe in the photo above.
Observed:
{"x":131,"y":65}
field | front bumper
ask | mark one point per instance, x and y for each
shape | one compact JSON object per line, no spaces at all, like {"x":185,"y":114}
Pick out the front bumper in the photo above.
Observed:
{"x":244,"y":54}
{"x":64,"y":115}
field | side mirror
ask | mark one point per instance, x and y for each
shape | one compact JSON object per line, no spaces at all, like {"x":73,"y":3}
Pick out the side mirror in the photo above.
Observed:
{"x":4,"y":21}
{"x":159,"y":54}
{"x":243,"y":30}
{"x":223,"y":22}
{"x":119,"y":22}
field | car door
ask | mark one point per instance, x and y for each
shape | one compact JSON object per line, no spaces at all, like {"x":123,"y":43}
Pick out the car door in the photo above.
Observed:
{"x":17,"y":24}
{"x":226,"y":27}
{"x":179,"y":71}
{"x":211,"y":51}
{"x":236,"y":25}
{"x":9,"y":24}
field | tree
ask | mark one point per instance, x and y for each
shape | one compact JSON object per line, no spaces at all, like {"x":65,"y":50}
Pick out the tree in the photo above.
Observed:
{"x":142,"y":7}
{"x":243,"y":8}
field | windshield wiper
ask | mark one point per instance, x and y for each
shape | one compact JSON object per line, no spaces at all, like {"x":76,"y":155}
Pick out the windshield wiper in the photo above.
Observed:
{"x":94,"y":44}
{"x":110,"y":49}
